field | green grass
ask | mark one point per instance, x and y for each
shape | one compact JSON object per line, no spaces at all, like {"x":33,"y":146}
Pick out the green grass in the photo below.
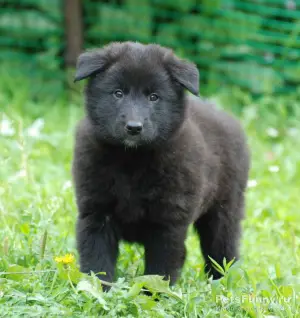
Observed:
{"x":38,"y":213}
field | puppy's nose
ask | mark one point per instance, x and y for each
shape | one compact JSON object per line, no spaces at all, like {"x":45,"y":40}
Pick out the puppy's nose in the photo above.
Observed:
{"x":133,"y":127}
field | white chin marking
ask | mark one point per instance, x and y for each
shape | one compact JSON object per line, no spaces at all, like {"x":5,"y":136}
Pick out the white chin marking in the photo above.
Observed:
{"x":130,"y":143}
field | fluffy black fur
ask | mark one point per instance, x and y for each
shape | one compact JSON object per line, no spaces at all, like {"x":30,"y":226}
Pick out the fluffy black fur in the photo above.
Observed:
{"x":188,"y":165}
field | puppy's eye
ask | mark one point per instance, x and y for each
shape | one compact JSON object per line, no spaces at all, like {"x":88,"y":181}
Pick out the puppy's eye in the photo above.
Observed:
{"x":153,"y":97}
{"x":118,"y":93}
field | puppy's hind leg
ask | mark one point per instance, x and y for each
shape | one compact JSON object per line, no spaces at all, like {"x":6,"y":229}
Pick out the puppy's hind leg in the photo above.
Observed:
{"x":219,"y":230}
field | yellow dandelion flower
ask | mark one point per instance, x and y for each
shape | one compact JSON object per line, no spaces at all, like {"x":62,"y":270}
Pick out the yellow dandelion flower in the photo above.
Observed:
{"x":67,"y":259}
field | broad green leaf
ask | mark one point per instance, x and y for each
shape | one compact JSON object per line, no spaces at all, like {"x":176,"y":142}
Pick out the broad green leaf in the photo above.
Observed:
{"x":86,"y":286}
{"x":16,"y":272}
{"x":145,"y":302}
{"x":135,"y":289}
{"x":156,"y":284}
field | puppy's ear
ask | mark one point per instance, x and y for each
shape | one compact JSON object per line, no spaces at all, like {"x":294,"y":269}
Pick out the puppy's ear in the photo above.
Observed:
{"x":184,"y":72}
{"x":89,"y":63}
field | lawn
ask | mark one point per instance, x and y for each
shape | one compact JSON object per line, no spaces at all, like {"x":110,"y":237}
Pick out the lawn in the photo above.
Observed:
{"x":38,"y":213}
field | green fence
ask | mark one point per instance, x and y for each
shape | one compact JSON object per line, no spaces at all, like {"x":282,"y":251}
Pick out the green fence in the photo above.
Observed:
{"x":254,"y":44}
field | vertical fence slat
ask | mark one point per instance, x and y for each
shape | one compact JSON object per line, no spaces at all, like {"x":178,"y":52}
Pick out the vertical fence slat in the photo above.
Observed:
{"x":73,"y":30}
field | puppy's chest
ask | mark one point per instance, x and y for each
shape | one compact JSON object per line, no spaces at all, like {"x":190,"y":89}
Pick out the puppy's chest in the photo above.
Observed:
{"x":148,"y":192}
{"x":133,"y":189}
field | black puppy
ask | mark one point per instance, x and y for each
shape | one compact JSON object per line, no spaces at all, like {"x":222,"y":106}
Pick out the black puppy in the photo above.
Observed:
{"x":149,"y":161}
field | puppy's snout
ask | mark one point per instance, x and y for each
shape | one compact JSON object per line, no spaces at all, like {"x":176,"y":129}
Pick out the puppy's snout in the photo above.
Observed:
{"x":133,"y":127}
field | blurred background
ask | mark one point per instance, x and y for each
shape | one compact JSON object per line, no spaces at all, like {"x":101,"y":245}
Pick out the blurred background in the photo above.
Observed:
{"x":251,"y":44}
{"x":248,"y":54}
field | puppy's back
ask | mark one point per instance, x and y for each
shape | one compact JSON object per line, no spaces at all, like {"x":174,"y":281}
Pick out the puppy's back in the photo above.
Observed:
{"x":224,"y":137}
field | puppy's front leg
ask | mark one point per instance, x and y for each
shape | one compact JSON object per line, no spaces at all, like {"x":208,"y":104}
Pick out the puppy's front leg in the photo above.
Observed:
{"x":97,"y":243}
{"x":165,"y":251}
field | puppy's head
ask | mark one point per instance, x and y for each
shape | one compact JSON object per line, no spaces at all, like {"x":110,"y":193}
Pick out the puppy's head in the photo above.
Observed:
{"x":135,"y":92}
